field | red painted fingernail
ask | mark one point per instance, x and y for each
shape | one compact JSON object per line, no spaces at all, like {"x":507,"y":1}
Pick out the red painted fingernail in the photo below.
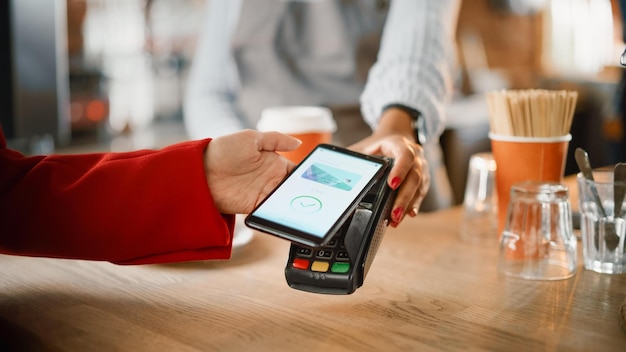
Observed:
{"x":397,"y":214}
{"x":395,"y":182}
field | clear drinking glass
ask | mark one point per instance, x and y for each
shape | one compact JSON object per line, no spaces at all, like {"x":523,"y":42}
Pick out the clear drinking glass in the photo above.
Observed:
{"x":603,"y":231}
{"x":480,"y":203}
{"x":538,"y":240}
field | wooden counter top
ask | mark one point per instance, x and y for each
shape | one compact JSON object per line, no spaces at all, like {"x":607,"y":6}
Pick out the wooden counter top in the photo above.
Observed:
{"x":426,"y":291}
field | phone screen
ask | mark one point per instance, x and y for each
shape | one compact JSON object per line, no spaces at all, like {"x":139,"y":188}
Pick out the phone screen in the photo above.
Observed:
{"x":310,"y":204}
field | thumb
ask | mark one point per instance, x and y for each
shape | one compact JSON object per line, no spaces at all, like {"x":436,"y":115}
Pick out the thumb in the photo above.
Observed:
{"x":275,"y":141}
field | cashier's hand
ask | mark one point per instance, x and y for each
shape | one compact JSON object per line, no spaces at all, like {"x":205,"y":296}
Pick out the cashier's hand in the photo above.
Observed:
{"x":242,"y":168}
{"x":410,"y":173}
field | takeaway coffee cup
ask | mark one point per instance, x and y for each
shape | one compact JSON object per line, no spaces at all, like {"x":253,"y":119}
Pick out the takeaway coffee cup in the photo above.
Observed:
{"x":526,"y":159}
{"x":312,"y":125}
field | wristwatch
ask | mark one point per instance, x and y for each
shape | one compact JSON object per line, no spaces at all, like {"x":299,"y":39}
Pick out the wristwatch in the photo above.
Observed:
{"x":417,"y":118}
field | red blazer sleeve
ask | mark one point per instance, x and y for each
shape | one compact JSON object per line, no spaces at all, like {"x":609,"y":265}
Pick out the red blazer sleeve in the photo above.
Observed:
{"x":127,"y":208}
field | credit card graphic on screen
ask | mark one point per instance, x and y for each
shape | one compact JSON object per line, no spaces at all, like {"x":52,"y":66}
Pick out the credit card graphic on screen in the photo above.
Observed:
{"x":331,"y":176}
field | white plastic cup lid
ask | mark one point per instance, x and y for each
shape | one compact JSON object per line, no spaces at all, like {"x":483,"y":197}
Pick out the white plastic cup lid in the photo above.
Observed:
{"x":297,"y":119}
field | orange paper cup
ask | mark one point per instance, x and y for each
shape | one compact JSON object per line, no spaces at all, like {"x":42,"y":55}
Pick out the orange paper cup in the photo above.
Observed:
{"x":312,"y":125}
{"x":309,"y":142}
{"x":521,"y":159}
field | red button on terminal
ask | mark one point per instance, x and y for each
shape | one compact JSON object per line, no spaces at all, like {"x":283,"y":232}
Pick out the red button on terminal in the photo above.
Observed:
{"x":300,"y":263}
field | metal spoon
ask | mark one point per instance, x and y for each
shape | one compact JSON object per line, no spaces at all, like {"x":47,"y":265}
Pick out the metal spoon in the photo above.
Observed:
{"x":611,"y":239}
{"x":619,"y":191}
{"x":582,"y":159}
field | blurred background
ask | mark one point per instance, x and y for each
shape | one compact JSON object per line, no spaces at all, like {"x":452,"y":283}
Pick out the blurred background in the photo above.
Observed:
{"x":101,"y":75}
{"x":116,"y":68}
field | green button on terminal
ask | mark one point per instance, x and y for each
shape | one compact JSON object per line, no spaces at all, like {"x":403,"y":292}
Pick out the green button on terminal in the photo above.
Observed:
{"x":340,"y":267}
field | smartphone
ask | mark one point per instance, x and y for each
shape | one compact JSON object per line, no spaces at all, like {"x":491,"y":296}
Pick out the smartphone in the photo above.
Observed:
{"x":341,"y":265}
{"x":312,"y":203}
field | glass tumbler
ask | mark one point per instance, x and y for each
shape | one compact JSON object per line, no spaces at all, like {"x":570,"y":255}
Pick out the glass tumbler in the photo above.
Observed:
{"x":603,"y":222}
{"x":538,"y":242}
{"x":479,"y":224}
